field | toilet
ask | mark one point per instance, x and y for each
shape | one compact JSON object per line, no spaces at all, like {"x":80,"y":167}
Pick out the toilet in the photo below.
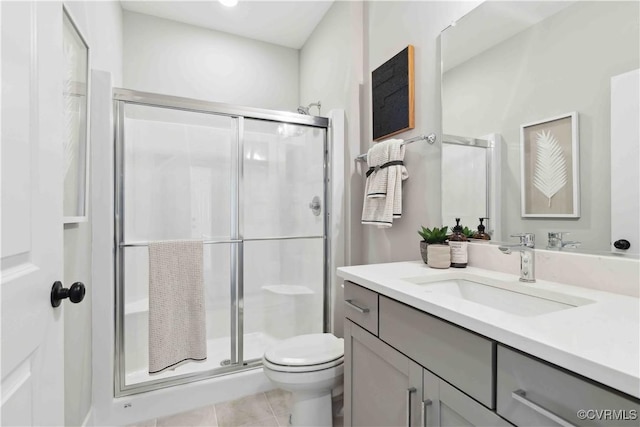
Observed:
{"x":310,"y":367}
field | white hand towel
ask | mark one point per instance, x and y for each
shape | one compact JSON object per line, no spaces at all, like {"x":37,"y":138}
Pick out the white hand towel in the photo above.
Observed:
{"x":376,"y":183}
{"x":177,"y":328}
{"x":383,"y":189}
{"x":396,"y":152}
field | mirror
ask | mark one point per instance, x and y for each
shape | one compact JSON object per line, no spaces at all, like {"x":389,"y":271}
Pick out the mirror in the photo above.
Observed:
{"x":76,"y":122}
{"x":509,"y":64}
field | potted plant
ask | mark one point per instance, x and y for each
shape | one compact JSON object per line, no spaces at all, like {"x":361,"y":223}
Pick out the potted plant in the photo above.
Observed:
{"x":434,"y":242}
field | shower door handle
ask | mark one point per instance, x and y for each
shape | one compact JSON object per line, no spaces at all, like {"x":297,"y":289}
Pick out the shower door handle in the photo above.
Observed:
{"x":315,"y":205}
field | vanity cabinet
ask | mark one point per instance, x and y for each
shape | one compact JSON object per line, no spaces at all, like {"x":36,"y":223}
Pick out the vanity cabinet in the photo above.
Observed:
{"x":382,"y":386}
{"x":392,"y":355}
{"x":464,"y":359}
{"x":404,"y":367}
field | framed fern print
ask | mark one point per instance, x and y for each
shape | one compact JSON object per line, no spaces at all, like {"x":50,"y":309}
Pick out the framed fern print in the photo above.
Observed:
{"x":549,"y":168}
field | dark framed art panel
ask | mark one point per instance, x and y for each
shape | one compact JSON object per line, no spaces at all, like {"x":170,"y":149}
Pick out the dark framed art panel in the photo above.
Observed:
{"x":392,"y":94}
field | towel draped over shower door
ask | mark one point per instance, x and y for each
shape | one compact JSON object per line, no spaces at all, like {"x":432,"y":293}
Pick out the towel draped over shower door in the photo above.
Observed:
{"x":177,"y":327}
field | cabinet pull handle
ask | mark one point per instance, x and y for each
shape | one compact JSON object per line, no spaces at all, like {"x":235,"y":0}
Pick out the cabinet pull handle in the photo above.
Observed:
{"x":425,"y":404}
{"x":363,"y":310}
{"x":410,"y":391}
{"x":520,"y":396}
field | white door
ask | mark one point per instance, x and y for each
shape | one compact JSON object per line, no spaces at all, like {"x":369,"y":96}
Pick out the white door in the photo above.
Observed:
{"x":32,"y":330}
{"x":625,"y":153}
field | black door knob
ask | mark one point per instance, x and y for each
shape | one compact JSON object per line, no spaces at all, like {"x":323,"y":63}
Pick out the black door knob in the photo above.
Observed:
{"x":622,"y":244}
{"x":75,"y":293}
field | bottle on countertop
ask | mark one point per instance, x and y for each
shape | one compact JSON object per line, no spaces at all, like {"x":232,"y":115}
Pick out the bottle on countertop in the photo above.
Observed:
{"x":481,"y":234}
{"x":458,"y":244}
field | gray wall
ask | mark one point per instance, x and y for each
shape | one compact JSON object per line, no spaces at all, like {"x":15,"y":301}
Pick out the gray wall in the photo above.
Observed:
{"x":389,"y":28}
{"x":331,"y":71}
{"x":101,"y":25}
{"x":172,"y":58}
{"x":560,"y":65}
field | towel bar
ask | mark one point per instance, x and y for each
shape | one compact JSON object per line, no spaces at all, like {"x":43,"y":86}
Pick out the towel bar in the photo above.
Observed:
{"x":431,"y":138}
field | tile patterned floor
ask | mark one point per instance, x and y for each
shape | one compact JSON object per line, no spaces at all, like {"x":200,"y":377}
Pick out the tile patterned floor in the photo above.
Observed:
{"x":270,"y":409}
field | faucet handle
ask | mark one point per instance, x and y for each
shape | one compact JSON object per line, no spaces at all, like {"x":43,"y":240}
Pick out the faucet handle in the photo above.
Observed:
{"x":526,"y":239}
{"x":558,"y":234}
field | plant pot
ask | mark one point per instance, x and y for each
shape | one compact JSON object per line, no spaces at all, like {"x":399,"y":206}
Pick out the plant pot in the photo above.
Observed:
{"x":423,"y":250}
{"x":438,"y":256}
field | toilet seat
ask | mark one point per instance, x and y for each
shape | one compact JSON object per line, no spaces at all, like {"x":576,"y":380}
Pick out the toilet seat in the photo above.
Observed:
{"x":305,"y":353}
{"x":302,"y":368}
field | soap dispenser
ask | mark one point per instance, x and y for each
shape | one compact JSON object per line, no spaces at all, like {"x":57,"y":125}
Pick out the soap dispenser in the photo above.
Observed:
{"x":458,"y":244}
{"x":481,"y":234}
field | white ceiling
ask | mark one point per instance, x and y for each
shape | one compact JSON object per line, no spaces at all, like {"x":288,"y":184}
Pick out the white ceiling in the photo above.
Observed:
{"x":285,"y":23}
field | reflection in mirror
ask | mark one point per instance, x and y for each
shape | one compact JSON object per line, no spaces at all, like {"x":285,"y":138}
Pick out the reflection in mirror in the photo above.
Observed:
{"x":76,"y":119}
{"x":506,"y":64}
{"x":475,"y":196}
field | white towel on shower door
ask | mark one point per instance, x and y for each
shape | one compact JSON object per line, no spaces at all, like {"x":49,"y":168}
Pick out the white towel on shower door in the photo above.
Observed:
{"x":177,"y":327}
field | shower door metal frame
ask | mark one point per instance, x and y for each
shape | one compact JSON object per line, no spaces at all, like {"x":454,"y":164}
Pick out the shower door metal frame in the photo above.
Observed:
{"x":121,"y":97}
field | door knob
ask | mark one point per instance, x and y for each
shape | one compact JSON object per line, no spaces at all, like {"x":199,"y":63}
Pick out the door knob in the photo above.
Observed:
{"x":622,"y":244}
{"x":75,"y":293}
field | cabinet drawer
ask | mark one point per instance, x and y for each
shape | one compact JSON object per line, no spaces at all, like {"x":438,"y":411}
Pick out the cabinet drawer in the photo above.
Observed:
{"x":533,"y":393}
{"x":461,"y":358}
{"x":361,"y":306}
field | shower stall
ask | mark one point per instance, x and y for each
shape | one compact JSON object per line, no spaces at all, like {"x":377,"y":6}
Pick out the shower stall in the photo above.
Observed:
{"x":252,"y":185}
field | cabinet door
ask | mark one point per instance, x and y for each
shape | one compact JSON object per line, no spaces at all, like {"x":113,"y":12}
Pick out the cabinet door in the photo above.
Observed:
{"x":382,"y":387}
{"x":445,"y":406}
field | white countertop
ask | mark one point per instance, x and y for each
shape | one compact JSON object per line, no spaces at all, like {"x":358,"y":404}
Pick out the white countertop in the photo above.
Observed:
{"x":600,"y":340}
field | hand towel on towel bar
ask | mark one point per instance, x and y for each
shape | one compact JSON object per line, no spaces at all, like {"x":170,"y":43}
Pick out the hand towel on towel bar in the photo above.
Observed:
{"x":383,"y":189}
{"x":177,"y":328}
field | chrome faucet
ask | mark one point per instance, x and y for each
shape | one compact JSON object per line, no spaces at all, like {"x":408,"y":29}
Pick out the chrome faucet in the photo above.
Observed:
{"x":556,"y":241}
{"x":527,"y":255}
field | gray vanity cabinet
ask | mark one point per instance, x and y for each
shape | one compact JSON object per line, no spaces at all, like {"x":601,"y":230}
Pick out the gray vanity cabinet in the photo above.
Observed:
{"x":382,"y":386}
{"x":392,"y":355}
{"x":406,"y":367}
{"x":445,"y":406}
{"x":462,"y":358}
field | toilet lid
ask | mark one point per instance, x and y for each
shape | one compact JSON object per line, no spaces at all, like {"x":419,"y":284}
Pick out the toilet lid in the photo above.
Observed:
{"x":306,"y":350}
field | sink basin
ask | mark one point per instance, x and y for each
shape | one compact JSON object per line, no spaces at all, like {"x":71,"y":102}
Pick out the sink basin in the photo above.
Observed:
{"x":512,"y":298}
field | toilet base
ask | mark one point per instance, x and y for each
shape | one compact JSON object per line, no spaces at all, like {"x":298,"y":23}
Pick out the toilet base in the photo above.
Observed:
{"x":312,"y":409}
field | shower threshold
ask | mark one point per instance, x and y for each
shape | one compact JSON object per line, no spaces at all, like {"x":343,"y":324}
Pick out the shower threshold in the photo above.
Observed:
{"x":255,"y":344}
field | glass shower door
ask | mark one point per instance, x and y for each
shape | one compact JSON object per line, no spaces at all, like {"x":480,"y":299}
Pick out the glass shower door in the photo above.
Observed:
{"x":283,"y":229}
{"x":178,"y":182}
{"x":253,"y":190}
